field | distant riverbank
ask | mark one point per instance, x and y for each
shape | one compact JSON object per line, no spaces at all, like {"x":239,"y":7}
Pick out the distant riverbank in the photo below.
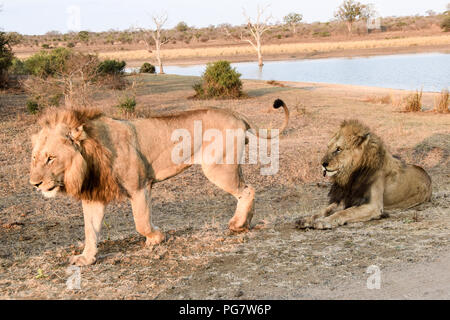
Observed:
{"x":192,"y":54}
{"x":288,"y":51}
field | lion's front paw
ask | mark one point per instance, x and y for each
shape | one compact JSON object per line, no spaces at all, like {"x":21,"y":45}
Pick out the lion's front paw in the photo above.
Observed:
{"x":156,"y":237}
{"x":304,"y":222}
{"x":322,"y":224}
{"x":234,"y":226}
{"x":82,"y":260}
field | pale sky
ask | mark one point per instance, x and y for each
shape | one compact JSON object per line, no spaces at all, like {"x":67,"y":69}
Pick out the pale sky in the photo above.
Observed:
{"x":40,"y":16}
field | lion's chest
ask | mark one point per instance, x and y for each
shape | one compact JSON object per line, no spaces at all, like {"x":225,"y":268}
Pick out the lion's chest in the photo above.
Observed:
{"x":355,"y":192}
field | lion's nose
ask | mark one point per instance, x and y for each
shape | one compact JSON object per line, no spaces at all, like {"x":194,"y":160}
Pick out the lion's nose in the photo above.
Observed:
{"x":36,"y":184}
{"x":325,"y":164}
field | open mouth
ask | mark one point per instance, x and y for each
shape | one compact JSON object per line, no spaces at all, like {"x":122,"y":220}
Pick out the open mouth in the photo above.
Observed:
{"x":329,"y":173}
{"x":51,"y":192}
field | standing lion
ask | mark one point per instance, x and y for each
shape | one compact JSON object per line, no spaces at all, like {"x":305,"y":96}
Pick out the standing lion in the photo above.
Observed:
{"x":97,"y":159}
{"x":366,"y":179}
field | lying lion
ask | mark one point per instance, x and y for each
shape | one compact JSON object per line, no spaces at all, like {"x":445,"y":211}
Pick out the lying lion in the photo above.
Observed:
{"x":366,"y":180}
{"x":97,"y":159}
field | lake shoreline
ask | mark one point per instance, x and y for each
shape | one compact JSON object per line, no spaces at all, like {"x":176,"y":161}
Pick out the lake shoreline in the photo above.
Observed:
{"x":407,"y":71}
{"x":353,"y":53}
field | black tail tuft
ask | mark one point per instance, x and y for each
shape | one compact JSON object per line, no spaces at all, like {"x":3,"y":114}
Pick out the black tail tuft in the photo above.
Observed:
{"x":278,"y":103}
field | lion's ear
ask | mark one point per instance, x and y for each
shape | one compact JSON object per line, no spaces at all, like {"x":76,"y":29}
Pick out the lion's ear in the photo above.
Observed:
{"x":77,"y":135}
{"x":363,"y":139}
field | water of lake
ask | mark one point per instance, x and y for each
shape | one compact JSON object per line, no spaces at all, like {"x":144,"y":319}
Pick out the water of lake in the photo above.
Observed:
{"x":406,"y":71}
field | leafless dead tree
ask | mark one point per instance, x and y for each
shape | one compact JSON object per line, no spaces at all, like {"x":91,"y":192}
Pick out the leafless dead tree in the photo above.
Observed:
{"x":257,"y":29}
{"x":154,"y":38}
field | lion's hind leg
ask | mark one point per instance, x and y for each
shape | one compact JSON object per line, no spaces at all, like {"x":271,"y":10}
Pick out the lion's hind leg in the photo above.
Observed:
{"x":244,"y":209}
{"x":228,"y":177}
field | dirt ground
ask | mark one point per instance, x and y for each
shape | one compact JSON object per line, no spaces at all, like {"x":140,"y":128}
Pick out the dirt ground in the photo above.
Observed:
{"x":200,"y":258}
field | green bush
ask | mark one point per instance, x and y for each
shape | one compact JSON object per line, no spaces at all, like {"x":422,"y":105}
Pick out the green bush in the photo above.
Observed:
{"x":125,"y":37}
{"x":127,"y":104}
{"x":83,"y":36}
{"x":15,"y":38}
{"x":6,"y":57}
{"x":219,"y":81}
{"x":147,"y":68}
{"x":17,"y":67}
{"x":446,"y":24}
{"x":111,"y":67}
{"x":321,"y":34}
{"x":181,"y":26}
{"x":47,"y":63}
{"x":32,"y":107}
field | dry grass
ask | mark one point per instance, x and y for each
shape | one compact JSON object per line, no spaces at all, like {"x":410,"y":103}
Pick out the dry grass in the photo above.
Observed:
{"x":441,"y":102}
{"x":413,"y":102}
{"x":397,"y":100}
{"x":384,"y":99}
{"x":273,"y":49}
{"x":200,"y":258}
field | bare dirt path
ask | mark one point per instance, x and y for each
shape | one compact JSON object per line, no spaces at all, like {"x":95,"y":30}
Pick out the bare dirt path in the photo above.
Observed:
{"x":428,"y":280}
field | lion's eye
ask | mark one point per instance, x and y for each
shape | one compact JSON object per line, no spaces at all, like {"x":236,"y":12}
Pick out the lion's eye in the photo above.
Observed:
{"x":338,"y":149}
{"x":50,"y":159}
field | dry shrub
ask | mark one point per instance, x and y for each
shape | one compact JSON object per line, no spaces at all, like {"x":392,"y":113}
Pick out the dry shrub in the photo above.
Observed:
{"x":112,"y":81}
{"x":396,"y":100}
{"x":386,"y":99}
{"x":275,"y":83}
{"x":74,"y":80}
{"x":43,"y":93}
{"x":413,"y":102}
{"x":441,"y":102}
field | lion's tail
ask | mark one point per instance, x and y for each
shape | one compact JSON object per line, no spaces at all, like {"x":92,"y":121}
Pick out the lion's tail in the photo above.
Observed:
{"x":268,"y":135}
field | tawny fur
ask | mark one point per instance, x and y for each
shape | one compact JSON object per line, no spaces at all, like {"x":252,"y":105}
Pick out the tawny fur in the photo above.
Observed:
{"x":366,"y":179}
{"x":98,"y":159}
{"x":91,"y":177}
